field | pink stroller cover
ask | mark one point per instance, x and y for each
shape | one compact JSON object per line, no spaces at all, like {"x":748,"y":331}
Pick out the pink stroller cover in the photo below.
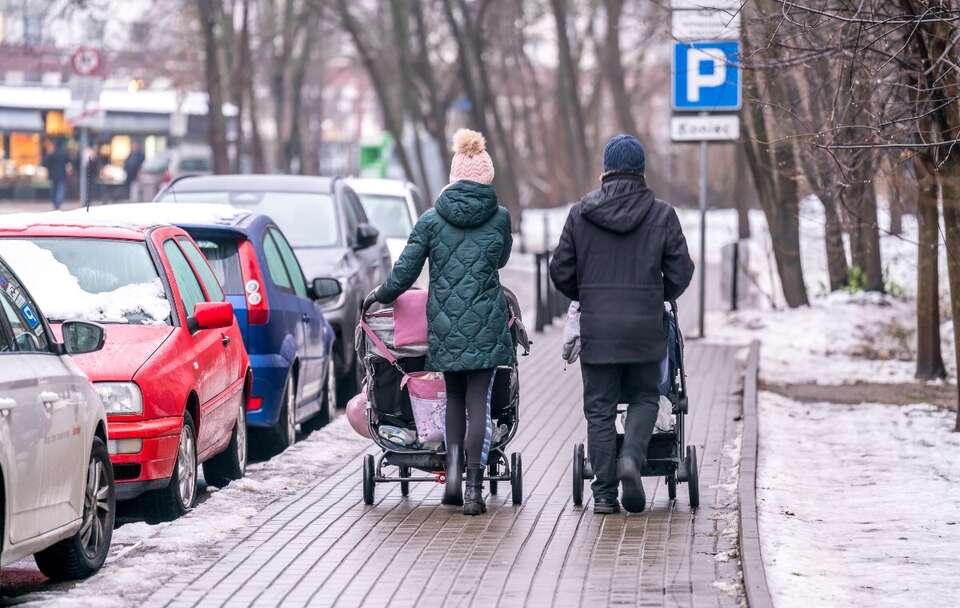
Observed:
{"x":410,"y":318}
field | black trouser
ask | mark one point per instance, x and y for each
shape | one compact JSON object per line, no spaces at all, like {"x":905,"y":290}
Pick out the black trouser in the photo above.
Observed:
{"x":468,"y":395}
{"x":604,"y":386}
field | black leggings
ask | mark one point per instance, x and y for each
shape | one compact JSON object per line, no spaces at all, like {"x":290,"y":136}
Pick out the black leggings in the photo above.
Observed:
{"x":468,"y":396}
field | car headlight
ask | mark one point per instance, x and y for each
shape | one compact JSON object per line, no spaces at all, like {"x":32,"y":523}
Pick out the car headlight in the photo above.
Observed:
{"x":120,"y":398}
{"x":336,"y":302}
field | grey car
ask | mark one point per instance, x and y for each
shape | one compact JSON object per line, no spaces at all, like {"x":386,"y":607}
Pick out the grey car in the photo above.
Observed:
{"x":328,"y":229}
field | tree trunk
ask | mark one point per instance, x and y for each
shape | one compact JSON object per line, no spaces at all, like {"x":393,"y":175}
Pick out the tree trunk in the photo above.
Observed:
{"x":951,"y":219}
{"x":377,"y":79}
{"x":838,"y":270}
{"x":929,"y":358}
{"x":613,"y":68}
{"x":238,"y":84}
{"x":774,"y":169}
{"x":217,"y":129}
{"x":741,"y":188}
{"x":861,"y":204}
{"x":569,"y":98}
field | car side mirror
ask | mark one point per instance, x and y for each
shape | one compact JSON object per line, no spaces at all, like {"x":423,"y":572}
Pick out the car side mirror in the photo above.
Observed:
{"x":80,"y":337}
{"x":324,"y":288}
{"x":367,"y":236}
{"x":212,"y":315}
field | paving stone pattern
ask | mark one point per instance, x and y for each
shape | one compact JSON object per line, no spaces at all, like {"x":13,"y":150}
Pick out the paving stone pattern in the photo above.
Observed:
{"x":324,"y":547}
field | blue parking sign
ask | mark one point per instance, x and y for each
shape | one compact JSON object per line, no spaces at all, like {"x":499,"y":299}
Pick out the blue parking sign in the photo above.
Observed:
{"x":706,"y":76}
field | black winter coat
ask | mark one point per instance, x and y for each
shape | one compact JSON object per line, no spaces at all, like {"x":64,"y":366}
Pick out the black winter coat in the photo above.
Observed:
{"x":622,"y":254}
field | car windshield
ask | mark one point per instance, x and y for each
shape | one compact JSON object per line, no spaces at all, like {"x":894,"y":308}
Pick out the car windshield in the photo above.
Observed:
{"x":102,"y":280}
{"x":389,"y":214}
{"x":307,"y":219}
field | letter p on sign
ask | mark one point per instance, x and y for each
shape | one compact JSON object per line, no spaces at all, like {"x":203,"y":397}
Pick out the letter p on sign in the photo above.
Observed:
{"x":706,"y":76}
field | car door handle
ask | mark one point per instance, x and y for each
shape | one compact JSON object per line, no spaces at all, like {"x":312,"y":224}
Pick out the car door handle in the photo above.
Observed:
{"x":49,"y":398}
{"x":225,"y":340}
{"x":6,"y":405}
{"x":305,"y":318}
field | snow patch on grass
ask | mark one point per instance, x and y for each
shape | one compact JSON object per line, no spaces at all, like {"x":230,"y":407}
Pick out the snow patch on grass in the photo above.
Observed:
{"x":858,"y":505}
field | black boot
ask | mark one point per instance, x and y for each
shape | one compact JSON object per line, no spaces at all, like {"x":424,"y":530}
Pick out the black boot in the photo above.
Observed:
{"x":453,"y":492}
{"x":473,"y":496}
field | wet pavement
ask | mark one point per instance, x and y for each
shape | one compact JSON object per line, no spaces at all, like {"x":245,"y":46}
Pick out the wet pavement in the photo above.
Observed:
{"x":324,"y":547}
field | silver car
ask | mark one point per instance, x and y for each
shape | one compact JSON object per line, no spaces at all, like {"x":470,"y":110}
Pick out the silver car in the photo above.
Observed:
{"x":56,"y":482}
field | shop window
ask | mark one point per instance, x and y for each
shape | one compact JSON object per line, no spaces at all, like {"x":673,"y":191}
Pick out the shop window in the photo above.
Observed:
{"x":25,"y":150}
{"x":119,"y":149}
{"x":56,"y":125}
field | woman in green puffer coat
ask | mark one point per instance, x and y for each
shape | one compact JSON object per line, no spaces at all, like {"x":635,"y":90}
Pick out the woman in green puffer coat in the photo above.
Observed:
{"x":466,"y":237}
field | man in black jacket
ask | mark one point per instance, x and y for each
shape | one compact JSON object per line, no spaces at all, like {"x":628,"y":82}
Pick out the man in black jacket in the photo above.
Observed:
{"x":622,"y":254}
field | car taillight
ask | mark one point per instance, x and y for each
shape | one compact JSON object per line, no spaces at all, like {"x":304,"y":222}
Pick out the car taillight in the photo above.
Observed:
{"x":255,"y":403}
{"x":254,"y":289}
{"x":166,"y":177}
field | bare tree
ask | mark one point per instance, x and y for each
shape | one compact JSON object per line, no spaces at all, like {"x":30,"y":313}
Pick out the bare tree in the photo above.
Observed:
{"x":208,"y":10}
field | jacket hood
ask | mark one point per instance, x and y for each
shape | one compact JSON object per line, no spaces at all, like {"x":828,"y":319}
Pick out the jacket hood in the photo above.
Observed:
{"x":467,"y":204}
{"x":621,"y":203}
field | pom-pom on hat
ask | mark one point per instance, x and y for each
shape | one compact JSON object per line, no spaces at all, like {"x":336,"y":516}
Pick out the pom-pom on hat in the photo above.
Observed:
{"x":470,"y":158}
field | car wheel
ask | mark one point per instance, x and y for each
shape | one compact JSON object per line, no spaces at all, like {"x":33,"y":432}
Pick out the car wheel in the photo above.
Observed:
{"x":232,"y":462}
{"x":178,"y":497}
{"x":284,"y":433}
{"x":84,"y":553}
{"x":328,"y":405}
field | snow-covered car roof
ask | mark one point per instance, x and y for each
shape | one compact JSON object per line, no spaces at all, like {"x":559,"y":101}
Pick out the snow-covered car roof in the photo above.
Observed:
{"x":179,"y":214}
{"x":59,"y":222}
{"x":371,"y":185}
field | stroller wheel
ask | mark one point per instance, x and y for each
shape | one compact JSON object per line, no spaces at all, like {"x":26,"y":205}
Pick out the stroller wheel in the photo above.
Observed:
{"x":516,"y":478}
{"x":672,"y":486}
{"x":368,"y":481}
{"x":693,"y":484}
{"x":578,"y":459}
{"x":493,"y":470}
{"x":404,"y":485}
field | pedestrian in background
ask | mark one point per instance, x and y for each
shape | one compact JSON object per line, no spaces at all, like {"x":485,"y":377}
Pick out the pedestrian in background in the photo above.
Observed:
{"x":622,"y":254}
{"x":467,"y":238}
{"x":131,"y":168}
{"x":56,"y":162}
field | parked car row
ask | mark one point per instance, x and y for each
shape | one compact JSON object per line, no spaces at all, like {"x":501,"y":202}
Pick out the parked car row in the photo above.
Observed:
{"x":170,"y":329}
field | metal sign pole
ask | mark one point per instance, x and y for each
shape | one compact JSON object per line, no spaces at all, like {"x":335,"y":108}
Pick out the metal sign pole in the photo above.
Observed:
{"x":703,"y":237}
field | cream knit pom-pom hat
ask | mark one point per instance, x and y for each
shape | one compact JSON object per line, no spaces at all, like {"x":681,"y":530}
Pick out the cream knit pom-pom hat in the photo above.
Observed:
{"x":470,"y":158}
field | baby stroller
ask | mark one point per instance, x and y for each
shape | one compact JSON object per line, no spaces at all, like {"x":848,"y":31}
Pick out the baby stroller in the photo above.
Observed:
{"x":665,"y":455}
{"x":389,"y":409}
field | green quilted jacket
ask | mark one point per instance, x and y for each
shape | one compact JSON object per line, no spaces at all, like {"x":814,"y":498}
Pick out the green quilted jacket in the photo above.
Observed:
{"x":467,"y":238}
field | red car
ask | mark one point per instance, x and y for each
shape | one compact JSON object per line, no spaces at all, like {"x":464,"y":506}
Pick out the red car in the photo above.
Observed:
{"x":173,"y":375}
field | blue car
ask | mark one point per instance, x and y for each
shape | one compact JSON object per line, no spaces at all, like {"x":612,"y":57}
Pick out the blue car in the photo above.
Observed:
{"x":288,"y":339}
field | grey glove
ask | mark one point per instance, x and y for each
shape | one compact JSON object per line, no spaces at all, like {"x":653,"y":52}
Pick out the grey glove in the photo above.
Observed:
{"x":571,"y":334}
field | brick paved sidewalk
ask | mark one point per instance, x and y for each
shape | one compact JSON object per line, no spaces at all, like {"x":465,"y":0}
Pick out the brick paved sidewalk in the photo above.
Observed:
{"x":324,"y":547}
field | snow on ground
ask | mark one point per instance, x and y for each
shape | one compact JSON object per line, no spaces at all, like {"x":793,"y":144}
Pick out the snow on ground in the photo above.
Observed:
{"x":144,"y":557}
{"x":858,"y":505}
{"x":840,"y":339}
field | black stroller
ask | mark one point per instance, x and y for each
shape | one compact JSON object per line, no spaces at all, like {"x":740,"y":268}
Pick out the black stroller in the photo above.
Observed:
{"x":665,"y":455}
{"x":389,"y":404}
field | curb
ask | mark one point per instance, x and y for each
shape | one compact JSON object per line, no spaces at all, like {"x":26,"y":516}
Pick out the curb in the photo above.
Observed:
{"x":754,"y":578}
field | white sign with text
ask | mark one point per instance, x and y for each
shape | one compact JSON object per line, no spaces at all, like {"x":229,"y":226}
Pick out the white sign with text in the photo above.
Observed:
{"x":716,"y":127}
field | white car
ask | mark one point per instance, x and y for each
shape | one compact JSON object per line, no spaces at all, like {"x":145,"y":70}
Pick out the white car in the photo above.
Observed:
{"x":56,"y":482}
{"x":393,"y":207}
